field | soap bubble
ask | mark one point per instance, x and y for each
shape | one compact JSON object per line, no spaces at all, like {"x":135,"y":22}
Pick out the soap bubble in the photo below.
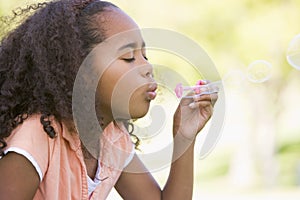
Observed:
{"x":153,"y":123}
{"x":259,"y":71}
{"x":293,"y":52}
{"x":234,"y":80}
{"x":161,"y":114}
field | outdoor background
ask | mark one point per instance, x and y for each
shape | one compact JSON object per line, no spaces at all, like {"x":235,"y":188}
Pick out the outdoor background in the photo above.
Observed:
{"x":258,"y":154}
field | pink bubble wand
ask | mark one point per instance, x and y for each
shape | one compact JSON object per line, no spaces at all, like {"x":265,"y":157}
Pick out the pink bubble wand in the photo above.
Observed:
{"x":201,"y":88}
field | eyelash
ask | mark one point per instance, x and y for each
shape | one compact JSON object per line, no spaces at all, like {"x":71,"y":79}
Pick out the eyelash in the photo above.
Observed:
{"x":129,"y":60}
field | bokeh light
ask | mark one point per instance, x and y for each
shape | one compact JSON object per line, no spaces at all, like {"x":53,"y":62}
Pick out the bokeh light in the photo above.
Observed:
{"x":234,"y":81}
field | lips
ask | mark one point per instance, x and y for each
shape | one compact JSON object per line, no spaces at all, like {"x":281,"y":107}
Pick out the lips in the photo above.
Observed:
{"x":151,"y":92}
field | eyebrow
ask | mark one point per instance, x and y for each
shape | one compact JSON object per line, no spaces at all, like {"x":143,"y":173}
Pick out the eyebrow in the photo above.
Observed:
{"x":132,"y":45}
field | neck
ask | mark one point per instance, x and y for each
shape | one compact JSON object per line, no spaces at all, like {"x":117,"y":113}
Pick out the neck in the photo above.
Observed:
{"x":104,"y":117}
{"x":104,"y":121}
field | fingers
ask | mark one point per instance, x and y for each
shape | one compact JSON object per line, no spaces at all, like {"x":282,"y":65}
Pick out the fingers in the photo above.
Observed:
{"x":206,"y":97}
{"x":187,"y":101}
{"x":200,"y":104}
{"x":196,"y":96}
{"x":204,"y":101}
{"x":212,"y":98}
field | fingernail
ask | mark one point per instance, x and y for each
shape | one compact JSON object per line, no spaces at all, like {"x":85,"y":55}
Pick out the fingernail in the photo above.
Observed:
{"x":203,"y":82}
{"x":199,"y":82}
{"x":192,"y":105}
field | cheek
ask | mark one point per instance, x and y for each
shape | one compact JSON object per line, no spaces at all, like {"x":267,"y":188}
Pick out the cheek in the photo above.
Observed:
{"x":124,"y":83}
{"x":129,"y":105}
{"x":129,"y":100}
{"x":127,"y":95}
{"x":104,"y":90}
{"x":109,"y":81}
{"x":138,"y":104}
{"x":119,"y":87}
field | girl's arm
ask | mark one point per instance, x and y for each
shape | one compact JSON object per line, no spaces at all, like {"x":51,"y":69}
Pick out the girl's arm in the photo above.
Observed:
{"x":189,"y":119}
{"x":18,"y":178}
{"x":136,"y":186}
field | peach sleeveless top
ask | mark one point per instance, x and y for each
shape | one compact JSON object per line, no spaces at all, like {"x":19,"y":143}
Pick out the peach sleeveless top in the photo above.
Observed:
{"x":60,"y":163}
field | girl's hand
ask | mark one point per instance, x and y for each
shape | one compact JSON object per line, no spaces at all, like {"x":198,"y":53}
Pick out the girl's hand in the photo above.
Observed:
{"x":192,"y":114}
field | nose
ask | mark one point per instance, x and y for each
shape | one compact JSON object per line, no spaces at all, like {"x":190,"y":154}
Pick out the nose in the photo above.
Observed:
{"x":147,"y":70}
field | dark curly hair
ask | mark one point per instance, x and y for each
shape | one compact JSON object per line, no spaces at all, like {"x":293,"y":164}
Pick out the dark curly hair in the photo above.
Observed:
{"x":39,"y":60}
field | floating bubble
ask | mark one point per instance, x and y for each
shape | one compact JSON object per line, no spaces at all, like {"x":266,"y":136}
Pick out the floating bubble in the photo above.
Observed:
{"x":259,"y":71}
{"x":144,"y":121}
{"x":293,"y":52}
{"x":151,"y":124}
{"x":155,"y":122}
{"x":83,"y":99}
{"x":234,"y":80}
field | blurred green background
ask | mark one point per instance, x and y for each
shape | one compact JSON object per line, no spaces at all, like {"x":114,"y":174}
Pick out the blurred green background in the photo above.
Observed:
{"x":258,"y":155}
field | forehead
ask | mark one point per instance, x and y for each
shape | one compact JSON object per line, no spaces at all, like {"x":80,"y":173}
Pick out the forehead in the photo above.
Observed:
{"x":114,"y":21}
{"x":121,"y":35}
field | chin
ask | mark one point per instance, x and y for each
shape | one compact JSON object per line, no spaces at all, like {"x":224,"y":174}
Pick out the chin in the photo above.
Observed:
{"x":135,"y":114}
{"x":139,"y":116}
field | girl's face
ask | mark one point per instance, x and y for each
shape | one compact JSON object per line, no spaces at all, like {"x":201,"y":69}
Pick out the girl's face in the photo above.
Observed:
{"x":126,"y":86}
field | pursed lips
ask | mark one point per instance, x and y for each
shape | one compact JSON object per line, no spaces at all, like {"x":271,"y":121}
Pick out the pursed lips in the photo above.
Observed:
{"x":151,"y":92}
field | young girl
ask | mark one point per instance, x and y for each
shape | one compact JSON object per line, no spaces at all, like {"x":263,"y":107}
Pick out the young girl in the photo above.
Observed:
{"x":43,"y":156}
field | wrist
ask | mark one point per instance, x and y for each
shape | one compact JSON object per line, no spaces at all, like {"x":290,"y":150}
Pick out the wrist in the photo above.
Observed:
{"x":184,"y":135}
{"x":182,"y":146}
{"x":181,"y":138}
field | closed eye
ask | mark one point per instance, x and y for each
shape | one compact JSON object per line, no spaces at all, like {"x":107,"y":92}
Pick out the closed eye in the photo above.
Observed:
{"x":129,"y":60}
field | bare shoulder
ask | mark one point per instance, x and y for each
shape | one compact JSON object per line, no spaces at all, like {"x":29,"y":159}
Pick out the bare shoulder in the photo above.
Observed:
{"x":19,"y":179}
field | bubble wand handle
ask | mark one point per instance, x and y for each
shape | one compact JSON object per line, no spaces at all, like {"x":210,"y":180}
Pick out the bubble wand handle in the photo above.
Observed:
{"x":197,"y":90}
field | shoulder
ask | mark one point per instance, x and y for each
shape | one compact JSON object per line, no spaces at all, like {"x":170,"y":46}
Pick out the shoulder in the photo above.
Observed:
{"x":32,"y":127}
{"x":30,"y":140}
